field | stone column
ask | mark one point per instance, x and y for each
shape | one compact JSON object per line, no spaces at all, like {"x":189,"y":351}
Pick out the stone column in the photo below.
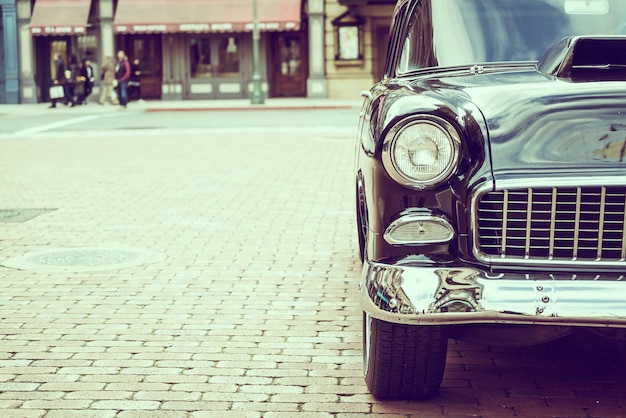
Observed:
{"x":316,"y":83}
{"x":23,"y":41}
{"x":104,"y":18}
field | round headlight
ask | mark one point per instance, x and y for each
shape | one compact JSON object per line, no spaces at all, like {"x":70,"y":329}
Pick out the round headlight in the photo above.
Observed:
{"x":421,"y":152}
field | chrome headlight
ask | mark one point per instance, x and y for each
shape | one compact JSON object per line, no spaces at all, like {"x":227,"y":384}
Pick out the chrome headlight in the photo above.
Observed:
{"x":421,"y":151}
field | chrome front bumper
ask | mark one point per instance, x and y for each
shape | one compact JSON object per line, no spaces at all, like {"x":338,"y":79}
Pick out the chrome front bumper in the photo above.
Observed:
{"x":412,"y":294}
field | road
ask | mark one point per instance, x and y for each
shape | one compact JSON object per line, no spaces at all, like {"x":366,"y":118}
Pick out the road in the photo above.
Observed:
{"x":94,"y":119}
{"x":203,"y":264}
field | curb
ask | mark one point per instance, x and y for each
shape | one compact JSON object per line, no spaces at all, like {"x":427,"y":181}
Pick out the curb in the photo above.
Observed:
{"x":251,"y":108}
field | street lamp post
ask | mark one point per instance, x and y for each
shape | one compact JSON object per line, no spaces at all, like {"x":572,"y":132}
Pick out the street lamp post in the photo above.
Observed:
{"x":257,"y":94}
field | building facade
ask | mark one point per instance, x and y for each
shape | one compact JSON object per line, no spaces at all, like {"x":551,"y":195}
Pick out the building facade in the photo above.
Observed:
{"x":357,"y":33}
{"x":9,"y":62}
{"x":200,"y":49}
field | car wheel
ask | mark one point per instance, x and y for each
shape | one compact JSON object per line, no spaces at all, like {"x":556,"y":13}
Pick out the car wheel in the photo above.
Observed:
{"x":403,"y":361}
{"x":360,"y":220}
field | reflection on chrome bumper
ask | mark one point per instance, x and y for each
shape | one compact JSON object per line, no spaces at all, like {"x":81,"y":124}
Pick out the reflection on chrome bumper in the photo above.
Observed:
{"x":407,"y":293}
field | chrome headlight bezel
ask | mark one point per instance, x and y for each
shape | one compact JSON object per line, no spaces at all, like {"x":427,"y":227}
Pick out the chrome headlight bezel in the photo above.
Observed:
{"x":396,"y":133}
{"x":423,"y":222}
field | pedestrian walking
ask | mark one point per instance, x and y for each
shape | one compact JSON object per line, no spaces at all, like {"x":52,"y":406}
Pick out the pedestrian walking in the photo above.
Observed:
{"x":134,"y":83}
{"x":72,"y":77}
{"x":87,"y":79}
{"x":122,"y":75}
{"x":107,"y":75}
{"x":57,"y":90}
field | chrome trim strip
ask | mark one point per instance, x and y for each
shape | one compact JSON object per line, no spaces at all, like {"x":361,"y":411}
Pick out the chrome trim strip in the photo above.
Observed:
{"x":624,"y":233}
{"x":411,"y":294}
{"x":577,"y":223}
{"x":529,"y":212}
{"x":519,"y":183}
{"x":601,"y":223}
{"x":552,"y":223}
{"x":505,"y":220}
{"x":487,"y":186}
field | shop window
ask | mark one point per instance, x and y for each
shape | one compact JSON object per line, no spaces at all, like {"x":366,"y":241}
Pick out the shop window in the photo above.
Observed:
{"x":87,"y":47}
{"x":200,"y":57}
{"x":146,"y":50}
{"x":57,"y":47}
{"x":228,"y":57}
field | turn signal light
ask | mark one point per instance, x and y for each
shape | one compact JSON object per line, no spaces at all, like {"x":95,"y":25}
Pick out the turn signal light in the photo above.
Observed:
{"x":419,"y":230}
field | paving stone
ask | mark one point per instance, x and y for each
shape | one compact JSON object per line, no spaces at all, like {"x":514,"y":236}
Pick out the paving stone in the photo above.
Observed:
{"x":251,"y":309}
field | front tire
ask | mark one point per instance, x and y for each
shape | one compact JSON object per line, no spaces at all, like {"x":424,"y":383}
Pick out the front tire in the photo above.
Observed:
{"x":403,"y":361}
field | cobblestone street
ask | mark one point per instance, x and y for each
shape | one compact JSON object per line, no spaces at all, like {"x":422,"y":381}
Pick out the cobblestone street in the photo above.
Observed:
{"x":215,"y":275}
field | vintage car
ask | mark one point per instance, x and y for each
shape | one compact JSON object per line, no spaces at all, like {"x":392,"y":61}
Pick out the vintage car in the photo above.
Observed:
{"x":491,"y":182}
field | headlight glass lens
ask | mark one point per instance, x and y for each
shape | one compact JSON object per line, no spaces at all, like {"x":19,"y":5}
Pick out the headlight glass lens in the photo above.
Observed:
{"x":422,"y":153}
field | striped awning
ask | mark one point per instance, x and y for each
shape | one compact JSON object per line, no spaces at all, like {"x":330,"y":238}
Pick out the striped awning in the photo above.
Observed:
{"x":197,"y":16}
{"x":60,"y":17}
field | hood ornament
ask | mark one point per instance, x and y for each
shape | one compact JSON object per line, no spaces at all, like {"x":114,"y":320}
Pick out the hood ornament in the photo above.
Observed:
{"x":477,"y":69}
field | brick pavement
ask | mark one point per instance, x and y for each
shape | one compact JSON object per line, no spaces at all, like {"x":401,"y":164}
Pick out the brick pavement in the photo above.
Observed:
{"x":252,"y":310}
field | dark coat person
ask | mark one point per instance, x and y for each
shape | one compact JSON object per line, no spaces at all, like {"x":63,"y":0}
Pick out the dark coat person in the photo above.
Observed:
{"x":134,"y":83}
{"x":72,"y":78}
{"x":87,"y":78}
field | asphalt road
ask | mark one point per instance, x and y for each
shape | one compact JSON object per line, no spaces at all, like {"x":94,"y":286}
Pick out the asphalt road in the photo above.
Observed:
{"x":203,"y":264}
{"x":94,"y":119}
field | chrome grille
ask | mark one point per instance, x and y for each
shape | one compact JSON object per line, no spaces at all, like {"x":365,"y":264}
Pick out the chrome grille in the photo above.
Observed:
{"x":580,"y":224}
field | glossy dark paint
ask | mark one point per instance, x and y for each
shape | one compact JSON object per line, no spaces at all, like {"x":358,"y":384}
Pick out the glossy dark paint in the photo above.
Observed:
{"x":513,"y":122}
{"x":391,"y":102}
{"x":539,"y":123}
{"x":556,"y":123}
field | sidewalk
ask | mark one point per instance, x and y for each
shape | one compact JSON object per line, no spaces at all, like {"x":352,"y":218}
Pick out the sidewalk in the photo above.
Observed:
{"x":189,"y":105}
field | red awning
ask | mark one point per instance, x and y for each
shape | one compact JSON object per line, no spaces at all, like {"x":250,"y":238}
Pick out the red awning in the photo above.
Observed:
{"x":159,"y":16}
{"x":60,"y":17}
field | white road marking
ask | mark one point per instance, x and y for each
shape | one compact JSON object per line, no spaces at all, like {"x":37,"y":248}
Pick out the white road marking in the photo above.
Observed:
{"x":55,"y":125}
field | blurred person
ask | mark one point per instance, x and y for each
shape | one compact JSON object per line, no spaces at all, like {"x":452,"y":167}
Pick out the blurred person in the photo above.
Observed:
{"x":87,"y":78}
{"x":122,"y":75}
{"x":72,"y":74}
{"x":107,"y":75}
{"x":134,"y":82}
{"x":59,"y":79}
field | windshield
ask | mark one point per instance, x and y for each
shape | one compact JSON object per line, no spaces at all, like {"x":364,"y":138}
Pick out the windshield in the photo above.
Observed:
{"x":462,"y":32}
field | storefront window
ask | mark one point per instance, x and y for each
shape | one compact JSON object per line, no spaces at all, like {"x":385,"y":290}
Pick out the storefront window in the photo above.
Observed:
{"x":87,"y":47}
{"x":229,"y":57}
{"x":57,"y":47}
{"x":200,"y":54}
{"x":145,"y":50}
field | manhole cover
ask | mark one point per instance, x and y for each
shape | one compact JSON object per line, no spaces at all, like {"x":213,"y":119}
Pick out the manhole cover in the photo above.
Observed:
{"x":83,"y":259}
{"x":21,"y":215}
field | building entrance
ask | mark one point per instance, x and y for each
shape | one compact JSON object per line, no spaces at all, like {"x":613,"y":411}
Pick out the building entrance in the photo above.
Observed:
{"x":288,"y":67}
{"x":46,"y":49}
{"x":146,"y":49}
{"x":217,"y":66}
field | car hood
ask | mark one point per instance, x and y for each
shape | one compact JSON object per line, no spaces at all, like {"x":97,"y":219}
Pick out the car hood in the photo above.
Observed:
{"x":536,"y":122}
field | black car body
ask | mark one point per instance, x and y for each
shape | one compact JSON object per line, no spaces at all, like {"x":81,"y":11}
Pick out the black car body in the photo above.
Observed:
{"x":491,"y":182}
